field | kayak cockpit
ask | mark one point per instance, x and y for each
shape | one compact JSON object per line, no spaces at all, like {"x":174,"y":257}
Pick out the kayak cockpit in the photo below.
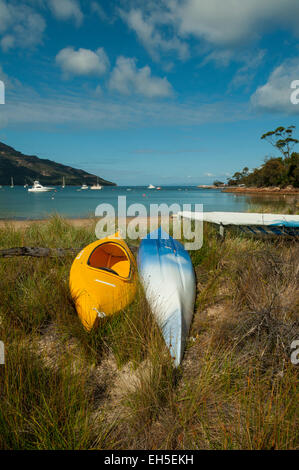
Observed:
{"x":112,"y":258}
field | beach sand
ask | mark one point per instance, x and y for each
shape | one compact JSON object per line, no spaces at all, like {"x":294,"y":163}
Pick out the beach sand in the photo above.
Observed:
{"x":23,"y":224}
{"x":19,"y":224}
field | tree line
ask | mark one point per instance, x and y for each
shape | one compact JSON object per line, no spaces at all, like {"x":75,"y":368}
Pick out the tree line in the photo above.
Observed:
{"x":279,"y":171}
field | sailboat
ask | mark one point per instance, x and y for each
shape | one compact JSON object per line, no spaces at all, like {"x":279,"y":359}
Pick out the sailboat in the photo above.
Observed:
{"x":63,"y":182}
{"x":96,"y":186}
{"x":11,"y":183}
{"x":151,"y":186}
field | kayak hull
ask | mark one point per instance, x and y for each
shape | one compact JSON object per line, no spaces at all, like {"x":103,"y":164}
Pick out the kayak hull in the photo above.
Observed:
{"x":168,"y":278}
{"x":243,"y":218}
{"x":250,"y":223}
{"x":103,"y":280}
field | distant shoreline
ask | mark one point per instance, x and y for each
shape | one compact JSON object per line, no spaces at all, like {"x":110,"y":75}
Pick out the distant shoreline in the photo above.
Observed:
{"x":263,"y":191}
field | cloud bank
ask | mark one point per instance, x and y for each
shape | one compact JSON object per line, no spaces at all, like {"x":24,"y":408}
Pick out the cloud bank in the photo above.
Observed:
{"x":219,"y":27}
{"x":275,"y":95}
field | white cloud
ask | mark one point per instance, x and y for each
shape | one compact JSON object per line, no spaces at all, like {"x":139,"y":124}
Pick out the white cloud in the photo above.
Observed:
{"x":82,"y":62}
{"x":66,"y":10}
{"x":127,"y":79}
{"x":275,"y":95}
{"x":232,"y":22}
{"x":221,"y":27}
{"x":151,"y":38}
{"x":20,"y":26}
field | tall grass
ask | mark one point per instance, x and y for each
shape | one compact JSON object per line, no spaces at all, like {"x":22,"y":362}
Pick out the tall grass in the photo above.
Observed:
{"x":281,"y":206}
{"x":64,"y":388}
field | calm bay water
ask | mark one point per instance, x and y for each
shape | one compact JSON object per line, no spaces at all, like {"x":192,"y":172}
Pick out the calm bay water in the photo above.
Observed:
{"x":18,"y":203}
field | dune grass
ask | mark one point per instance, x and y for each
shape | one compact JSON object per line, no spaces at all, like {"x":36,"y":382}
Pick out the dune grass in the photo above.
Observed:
{"x":115,"y":388}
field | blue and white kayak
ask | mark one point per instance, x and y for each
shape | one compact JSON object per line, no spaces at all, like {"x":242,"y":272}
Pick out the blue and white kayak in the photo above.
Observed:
{"x":168,"y":278}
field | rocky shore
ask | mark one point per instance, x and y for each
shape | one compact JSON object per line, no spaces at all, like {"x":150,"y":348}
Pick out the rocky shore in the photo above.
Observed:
{"x":289,"y":190}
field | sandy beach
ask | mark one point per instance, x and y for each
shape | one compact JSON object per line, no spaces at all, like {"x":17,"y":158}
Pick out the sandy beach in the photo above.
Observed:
{"x":86,"y":222}
{"x":19,"y":224}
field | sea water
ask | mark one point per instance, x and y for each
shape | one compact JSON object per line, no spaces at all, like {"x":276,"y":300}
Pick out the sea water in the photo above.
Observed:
{"x":18,"y":203}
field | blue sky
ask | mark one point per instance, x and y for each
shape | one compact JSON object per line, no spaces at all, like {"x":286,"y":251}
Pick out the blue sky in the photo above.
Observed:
{"x":163,"y":92}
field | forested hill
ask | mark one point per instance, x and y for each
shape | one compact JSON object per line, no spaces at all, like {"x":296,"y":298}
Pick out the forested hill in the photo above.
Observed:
{"x":27,"y":168}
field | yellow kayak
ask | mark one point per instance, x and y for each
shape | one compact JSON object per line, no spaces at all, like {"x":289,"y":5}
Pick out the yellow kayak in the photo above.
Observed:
{"x":103,"y":279}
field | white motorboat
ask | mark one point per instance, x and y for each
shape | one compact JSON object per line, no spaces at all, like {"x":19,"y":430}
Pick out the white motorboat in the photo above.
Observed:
{"x":39,"y":188}
{"x":84,"y":186}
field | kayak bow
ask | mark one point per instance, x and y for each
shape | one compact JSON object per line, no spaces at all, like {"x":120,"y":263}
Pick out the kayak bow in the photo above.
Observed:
{"x":102,"y":279}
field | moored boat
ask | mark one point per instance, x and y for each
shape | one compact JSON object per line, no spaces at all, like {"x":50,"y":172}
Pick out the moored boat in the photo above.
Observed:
{"x":168,"y":278}
{"x":103,"y":279}
{"x":39,"y":188}
{"x":97,"y":186}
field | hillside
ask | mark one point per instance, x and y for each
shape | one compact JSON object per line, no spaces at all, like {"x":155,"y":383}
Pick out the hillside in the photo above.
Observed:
{"x":27,"y":168}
